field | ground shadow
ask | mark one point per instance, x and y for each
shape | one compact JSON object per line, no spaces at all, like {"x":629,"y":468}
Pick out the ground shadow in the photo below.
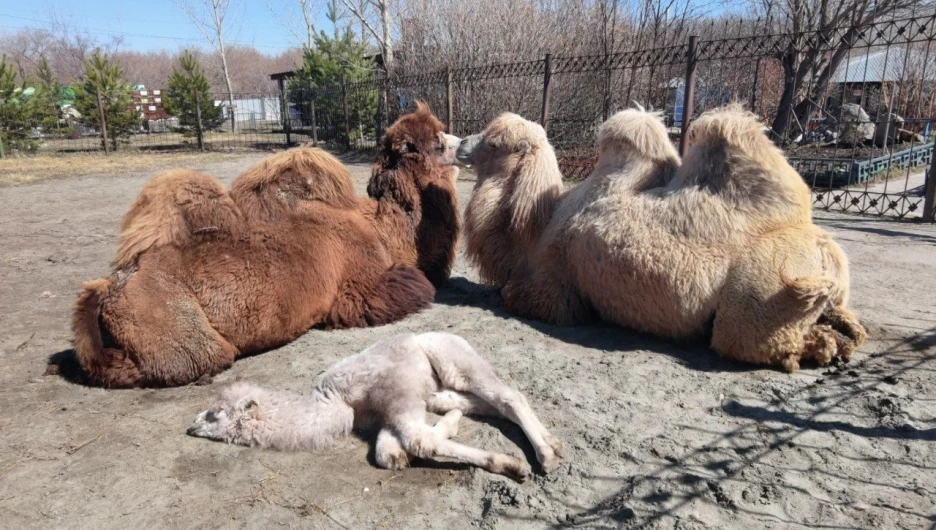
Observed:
{"x":65,"y":365}
{"x":694,"y":354}
{"x":715,"y":466}
{"x":856,"y":225}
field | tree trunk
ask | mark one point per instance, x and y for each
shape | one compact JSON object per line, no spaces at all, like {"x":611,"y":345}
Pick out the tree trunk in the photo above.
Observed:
{"x":224,"y":65}
{"x":387,"y":44}
{"x":785,"y":109}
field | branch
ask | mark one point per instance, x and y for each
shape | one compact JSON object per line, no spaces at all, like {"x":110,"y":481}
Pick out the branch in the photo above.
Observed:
{"x":199,"y":24}
{"x":360,"y":16}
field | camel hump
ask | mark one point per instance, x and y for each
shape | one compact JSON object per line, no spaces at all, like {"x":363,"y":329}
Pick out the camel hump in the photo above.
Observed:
{"x":177,"y":207}
{"x":288,"y":181}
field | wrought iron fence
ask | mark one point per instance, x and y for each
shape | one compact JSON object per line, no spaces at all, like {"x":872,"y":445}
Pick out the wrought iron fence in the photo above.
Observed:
{"x":862,"y":138}
{"x":860,"y":134}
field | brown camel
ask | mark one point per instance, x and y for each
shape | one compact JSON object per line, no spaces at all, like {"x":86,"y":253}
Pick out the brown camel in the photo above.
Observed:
{"x":203,"y":276}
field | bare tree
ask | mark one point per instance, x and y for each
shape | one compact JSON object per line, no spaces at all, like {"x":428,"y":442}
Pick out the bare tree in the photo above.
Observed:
{"x":213,"y":19}
{"x":302,"y":24}
{"x":373,"y":14}
{"x":816,"y":49}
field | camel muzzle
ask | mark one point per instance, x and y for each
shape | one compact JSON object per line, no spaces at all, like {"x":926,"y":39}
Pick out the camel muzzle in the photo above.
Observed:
{"x":466,"y":149}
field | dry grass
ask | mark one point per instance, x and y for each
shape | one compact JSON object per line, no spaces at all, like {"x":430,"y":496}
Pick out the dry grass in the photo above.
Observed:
{"x":24,"y":170}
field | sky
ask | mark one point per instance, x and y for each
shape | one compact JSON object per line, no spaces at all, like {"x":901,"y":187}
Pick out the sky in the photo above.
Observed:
{"x":154,"y":24}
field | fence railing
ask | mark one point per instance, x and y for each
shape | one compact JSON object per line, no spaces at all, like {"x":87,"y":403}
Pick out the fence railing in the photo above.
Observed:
{"x":860,"y":134}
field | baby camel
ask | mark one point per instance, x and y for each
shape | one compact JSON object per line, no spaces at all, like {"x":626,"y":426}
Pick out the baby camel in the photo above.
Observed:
{"x":395,"y":382}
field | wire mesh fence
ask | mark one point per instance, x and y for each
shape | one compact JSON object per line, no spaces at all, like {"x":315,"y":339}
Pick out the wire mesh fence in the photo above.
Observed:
{"x":858,"y":122}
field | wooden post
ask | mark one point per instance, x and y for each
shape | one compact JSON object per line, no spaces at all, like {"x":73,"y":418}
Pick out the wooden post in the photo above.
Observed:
{"x":284,"y":111}
{"x":929,"y":203}
{"x":314,"y":126}
{"x":688,"y":95}
{"x":547,"y":77}
{"x":199,"y":130}
{"x":347,"y":117}
{"x":100,"y":107}
{"x":754,"y":87}
{"x":2,"y":153}
{"x":449,"y":100}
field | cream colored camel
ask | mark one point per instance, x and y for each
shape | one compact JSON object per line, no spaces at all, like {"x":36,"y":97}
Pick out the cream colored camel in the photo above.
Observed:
{"x":722,"y":243}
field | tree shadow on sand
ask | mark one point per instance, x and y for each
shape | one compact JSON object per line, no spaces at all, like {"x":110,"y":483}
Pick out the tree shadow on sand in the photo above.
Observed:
{"x":755,"y":468}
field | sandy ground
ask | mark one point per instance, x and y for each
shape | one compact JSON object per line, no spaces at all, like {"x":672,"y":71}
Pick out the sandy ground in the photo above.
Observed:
{"x":659,"y":435}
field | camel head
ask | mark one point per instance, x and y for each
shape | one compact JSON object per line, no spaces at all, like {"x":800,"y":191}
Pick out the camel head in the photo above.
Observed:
{"x":635,"y":132}
{"x":514,"y":197}
{"x":502,"y":145}
{"x":418,"y":137}
{"x":235,"y":417}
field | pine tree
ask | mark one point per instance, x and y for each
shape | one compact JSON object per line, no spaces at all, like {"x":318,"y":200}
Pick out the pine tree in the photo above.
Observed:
{"x":46,"y":96}
{"x":188,"y":85}
{"x":16,"y":112}
{"x":341,"y":54}
{"x":103,"y":76}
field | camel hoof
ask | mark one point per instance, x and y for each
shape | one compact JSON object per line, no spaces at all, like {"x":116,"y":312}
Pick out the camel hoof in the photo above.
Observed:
{"x":395,"y":461}
{"x":448,"y":425}
{"x":511,"y":467}
{"x":550,"y":463}
{"x":556,"y":445}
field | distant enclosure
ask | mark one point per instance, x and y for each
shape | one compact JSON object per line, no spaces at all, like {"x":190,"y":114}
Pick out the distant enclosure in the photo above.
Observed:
{"x":864,"y":143}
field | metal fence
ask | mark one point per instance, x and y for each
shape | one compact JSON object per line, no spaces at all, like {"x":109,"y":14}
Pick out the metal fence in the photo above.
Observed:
{"x":862,"y":137}
{"x":257,"y":124}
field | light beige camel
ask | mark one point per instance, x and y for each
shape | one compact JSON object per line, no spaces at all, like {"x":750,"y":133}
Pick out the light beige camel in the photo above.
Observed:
{"x":394,"y":382}
{"x":722,"y":243}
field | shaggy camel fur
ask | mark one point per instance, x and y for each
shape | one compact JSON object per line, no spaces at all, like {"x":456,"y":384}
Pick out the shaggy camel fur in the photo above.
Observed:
{"x":394,"y":383}
{"x":202,"y":277}
{"x":722,"y":243}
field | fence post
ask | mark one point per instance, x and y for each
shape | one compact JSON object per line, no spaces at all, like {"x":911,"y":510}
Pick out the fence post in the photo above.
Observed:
{"x":688,"y":94}
{"x":284,"y":112}
{"x":547,"y":76}
{"x":347,"y":117}
{"x":314,"y":125}
{"x":2,"y":153}
{"x":754,"y":87}
{"x":100,"y":106}
{"x":449,"y":100}
{"x":199,"y":131}
{"x":929,"y":203}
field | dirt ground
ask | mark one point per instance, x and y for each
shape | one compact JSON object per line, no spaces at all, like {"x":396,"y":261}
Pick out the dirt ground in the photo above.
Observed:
{"x":658,"y":435}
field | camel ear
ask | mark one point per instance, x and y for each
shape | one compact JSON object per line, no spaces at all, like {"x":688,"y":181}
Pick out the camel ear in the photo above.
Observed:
{"x":247,"y":404}
{"x":524,"y":147}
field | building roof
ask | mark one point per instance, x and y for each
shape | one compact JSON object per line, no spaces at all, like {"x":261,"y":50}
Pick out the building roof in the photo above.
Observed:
{"x":895,"y":64}
{"x":282,"y":75}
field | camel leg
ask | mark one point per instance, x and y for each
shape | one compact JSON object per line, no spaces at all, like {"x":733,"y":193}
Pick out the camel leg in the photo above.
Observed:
{"x":460,"y":368}
{"x":382,"y":298}
{"x":424,"y":441}
{"x":851,"y":333}
{"x":389,"y":451}
{"x":547,"y":293}
{"x":156,"y":323}
{"x":444,"y":401}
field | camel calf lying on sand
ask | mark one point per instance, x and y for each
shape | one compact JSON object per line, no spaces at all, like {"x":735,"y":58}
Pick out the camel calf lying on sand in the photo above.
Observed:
{"x":393,"y":382}
{"x":723,"y":242}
